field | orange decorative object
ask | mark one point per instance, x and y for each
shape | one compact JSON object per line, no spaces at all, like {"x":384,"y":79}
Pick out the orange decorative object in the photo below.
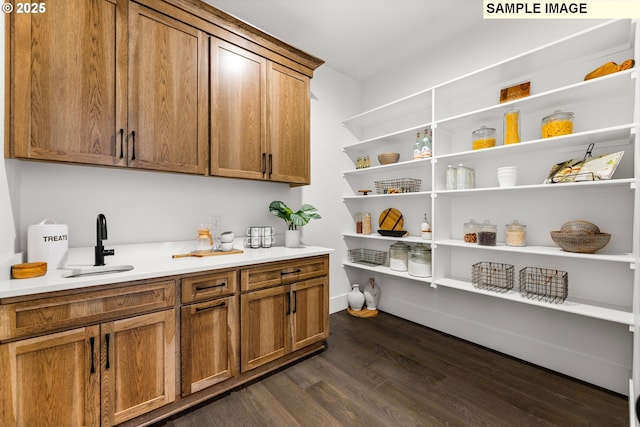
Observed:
{"x":610,"y":67}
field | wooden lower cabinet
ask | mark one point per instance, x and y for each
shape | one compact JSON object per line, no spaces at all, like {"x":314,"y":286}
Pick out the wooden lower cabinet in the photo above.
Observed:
{"x":209,"y":343}
{"x":108,"y":356}
{"x":97,"y":375}
{"x":276,"y":321}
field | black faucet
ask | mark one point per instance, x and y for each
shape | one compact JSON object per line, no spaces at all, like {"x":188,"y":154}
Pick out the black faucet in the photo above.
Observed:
{"x":101,"y":234}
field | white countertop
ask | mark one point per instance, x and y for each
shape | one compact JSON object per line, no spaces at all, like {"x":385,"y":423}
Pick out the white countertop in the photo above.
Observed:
{"x":150,"y":260}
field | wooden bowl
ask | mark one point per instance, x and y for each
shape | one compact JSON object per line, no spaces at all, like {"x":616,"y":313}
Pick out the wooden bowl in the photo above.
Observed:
{"x":580,"y":226}
{"x":584,"y":243}
{"x":28,"y":270}
{"x":388,"y":158}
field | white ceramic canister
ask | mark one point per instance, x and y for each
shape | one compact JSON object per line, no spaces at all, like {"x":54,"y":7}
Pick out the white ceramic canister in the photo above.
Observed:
{"x":48,"y":242}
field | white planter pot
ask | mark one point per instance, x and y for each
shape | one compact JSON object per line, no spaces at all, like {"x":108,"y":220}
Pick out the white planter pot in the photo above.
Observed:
{"x":292,"y":238}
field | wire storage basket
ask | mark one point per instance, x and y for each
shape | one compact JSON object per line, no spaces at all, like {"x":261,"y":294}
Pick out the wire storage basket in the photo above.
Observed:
{"x":492,"y":276}
{"x":400,"y":185}
{"x":544,"y":284}
{"x":367,"y":256}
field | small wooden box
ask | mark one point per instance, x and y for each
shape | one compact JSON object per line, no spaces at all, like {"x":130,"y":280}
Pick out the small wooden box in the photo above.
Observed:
{"x":514,"y":92}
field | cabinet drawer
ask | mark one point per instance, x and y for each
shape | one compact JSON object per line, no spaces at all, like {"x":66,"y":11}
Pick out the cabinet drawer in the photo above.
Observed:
{"x":207,"y":286}
{"x":283,"y":272}
{"x":45,"y":315}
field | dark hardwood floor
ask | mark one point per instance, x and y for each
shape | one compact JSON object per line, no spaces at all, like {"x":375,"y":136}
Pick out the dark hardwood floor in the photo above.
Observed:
{"x":387,"y":371}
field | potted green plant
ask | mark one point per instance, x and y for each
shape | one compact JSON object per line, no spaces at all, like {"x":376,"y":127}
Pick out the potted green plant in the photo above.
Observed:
{"x":296,"y":219}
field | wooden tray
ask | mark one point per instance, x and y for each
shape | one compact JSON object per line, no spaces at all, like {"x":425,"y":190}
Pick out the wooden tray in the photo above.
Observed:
{"x":209,"y":253}
{"x":365,"y":312}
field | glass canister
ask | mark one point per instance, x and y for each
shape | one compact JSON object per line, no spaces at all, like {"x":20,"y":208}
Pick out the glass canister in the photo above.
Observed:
{"x":512,"y":127}
{"x":399,"y":257}
{"x":470,"y":230}
{"x":483,"y":138}
{"x":487,"y":234}
{"x":420,"y":261}
{"x":515,"y":233}
{"x":451,"y":181}
{"x":556,"y":124}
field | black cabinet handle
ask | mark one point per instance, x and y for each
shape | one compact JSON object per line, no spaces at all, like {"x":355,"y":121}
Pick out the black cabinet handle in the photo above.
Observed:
{"x":133,"y":145}
{"x":295,"y":301}
{"x":270,"y":164}
{"x":264,"y":163}
{"x":288,"y":303}
{"x":284,"y":273}
{"x":92,"y":340}
{"x":107,"y":337}
{"x":201,"y":309}
{"x":121,"y":143}
{"x":202,"y":288}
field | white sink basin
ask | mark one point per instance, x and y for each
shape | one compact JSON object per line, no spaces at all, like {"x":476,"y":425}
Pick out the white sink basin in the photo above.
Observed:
{"x":94,"y":271}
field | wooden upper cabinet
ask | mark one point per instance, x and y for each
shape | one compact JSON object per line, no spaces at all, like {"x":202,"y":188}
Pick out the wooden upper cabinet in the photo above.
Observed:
{"x":259,"y":117}
{"x":288,"y":125}
{"x":168,"y":93}
{"x":64,"y":99}
{"x":238,"y":125}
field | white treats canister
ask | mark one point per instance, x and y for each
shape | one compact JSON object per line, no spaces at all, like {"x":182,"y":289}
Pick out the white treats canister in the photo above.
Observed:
{"x":48,"y":241}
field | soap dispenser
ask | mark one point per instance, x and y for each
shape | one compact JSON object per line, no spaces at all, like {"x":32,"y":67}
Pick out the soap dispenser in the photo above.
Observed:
{"x":425,"y":229}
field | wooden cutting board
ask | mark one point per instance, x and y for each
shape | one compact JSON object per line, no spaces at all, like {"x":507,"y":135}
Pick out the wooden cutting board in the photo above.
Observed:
{"x":209,"y":253}
{"x":391,"y":219}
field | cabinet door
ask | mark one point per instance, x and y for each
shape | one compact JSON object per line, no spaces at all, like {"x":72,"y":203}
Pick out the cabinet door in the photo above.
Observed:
{"x":66,"y":72}
{"x":138,"y":365}
{"x":168,"y":126}
{"x":238,"y":126}
{"x":208,"y":343}
{"x":288,"y":125}
{"x":52,"y":380}
{"x":310,"y":312}
{"x":265,"y":330}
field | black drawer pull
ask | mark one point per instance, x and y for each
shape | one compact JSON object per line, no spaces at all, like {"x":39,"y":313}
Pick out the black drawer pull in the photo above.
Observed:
{"x":204,"y":288}
{"x":107,"y":337}
{"x":121,"y":143}
{"x":92,"y":340}
{"x":201,"y":309}
{"x":295,"y":301}
{"x":284,"y":273}
{"x":133,"y":146}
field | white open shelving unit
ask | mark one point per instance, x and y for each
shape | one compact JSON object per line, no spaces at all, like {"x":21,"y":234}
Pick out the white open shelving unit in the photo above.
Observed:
{"x":604,"y":286}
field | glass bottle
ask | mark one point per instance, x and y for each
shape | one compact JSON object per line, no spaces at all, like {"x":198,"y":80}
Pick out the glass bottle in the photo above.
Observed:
{"x":417,"y":147}
{"x":461,"y":177}
{"x":512,"y":127}
{"x":359,"y":223}
{"x":425,"y":148}
{"x":399,"y":257}
{"x":366,"y":223}
{"x":451,"y":178}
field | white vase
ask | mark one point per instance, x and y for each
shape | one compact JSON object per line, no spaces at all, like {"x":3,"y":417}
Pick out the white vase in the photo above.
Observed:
{"x":292,"y":238}
{"x":371,"y":295}
{"x":355,"y":298}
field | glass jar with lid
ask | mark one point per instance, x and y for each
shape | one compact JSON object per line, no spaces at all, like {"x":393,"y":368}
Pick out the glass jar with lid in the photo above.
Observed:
{"x":483,"y":138}
{"x":556,"y":124}
{"x":470,"y":231}
{"x":515,"y":233}
{"x":487,"y":234}
{"x":399,"y":257}
{"x":366,"y":223}
{"x":420,"y":261}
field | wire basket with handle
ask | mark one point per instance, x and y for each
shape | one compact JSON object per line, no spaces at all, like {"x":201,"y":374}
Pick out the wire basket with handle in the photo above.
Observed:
{"x":367,"y":256}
